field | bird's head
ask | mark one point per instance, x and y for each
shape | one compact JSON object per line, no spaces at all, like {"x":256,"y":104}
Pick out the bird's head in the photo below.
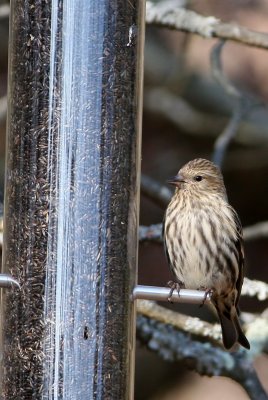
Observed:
{"x":199,"y":176}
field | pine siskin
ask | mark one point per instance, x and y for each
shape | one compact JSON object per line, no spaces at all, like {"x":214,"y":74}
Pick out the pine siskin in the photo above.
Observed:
{"x":203,"y":242}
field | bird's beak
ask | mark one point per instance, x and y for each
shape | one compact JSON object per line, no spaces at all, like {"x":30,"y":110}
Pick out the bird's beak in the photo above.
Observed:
{"x":176,"y":180}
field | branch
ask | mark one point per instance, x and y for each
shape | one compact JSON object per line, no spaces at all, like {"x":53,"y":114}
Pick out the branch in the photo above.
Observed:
{"x":151,"y":233}
{"x":257,"y":333}
{"x":243,"y":105}
{"x":160,"y":194}
{"x":154,"y":232}
{"x":168,"y":328}
{"x":191,"y":325}
{"x":256,"y":231}
{"x":196,"y":123}
{"x":224,"y":139}
{"x":256,"y":326}
{"x":256,"y":288}
{"x":173,"y":345}
{"x":166,"y":16}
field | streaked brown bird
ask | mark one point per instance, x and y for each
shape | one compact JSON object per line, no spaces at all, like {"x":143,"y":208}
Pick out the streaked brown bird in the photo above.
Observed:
{"x":203,"y":242}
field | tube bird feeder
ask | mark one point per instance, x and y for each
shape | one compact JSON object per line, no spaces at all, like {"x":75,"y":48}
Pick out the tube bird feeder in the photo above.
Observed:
{"x":71,"y":200}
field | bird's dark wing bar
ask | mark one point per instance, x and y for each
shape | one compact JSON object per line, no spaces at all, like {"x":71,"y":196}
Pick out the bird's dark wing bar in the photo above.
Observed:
{"x":161,"y":294}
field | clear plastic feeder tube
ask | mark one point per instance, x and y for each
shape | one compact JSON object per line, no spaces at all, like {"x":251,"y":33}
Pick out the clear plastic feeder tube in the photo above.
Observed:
{"x":71,"y":201}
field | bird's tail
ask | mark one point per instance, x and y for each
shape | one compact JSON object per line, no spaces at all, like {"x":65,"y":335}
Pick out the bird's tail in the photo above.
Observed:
{"x":241,"y":338}
{"x":229,"y":333}
{"x":231,"y":328}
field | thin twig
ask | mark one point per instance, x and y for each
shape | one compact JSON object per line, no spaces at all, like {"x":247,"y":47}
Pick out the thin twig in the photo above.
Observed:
{"x":167,"y":16}
{"x":154,"y":232}
{"x":257,"y":231}
{"x":191,"y":121}
{"x":155,"y":191}
{"x":217,"y":71}
{"x":243,"y":105}
{"x":224,"y":139}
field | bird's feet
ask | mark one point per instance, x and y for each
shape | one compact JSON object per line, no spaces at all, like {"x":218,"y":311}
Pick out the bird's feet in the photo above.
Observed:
{"x":208,"y":293}
{"x":174,"y":286}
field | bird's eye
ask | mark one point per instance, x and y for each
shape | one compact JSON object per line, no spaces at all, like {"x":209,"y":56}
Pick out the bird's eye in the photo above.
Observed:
{"x":198,"y":178}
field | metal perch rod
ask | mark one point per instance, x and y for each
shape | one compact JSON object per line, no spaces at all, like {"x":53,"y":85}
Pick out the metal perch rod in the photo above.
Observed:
{"x":162,"y":294}
{"x":7,"y":281}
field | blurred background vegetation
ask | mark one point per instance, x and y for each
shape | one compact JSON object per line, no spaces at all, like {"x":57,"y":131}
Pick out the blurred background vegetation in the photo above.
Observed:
{"x":178,"y":71}
{"x":177,"y":78}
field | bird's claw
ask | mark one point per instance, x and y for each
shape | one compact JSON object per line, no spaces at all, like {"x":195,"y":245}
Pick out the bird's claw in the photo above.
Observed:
{"x":208,"y":293}
{"x":174,"y":286}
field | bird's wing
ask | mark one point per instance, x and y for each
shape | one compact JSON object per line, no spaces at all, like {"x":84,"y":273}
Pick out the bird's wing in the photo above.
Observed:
{"x":240,"y":251}
{"x":164,"y":240}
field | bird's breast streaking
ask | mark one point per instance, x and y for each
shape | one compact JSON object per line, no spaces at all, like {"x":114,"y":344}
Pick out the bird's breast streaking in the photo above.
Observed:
{"x":203,"y":242}
{"x":197,"y":261}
